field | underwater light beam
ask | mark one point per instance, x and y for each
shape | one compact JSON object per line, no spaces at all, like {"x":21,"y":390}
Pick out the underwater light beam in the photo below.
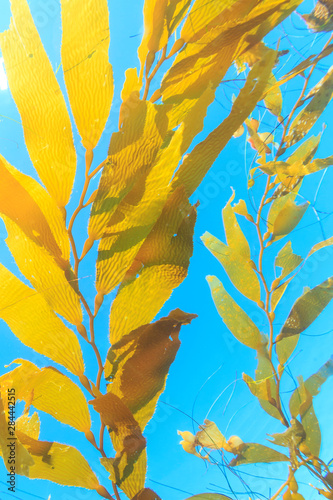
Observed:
{"x":3,"y":77}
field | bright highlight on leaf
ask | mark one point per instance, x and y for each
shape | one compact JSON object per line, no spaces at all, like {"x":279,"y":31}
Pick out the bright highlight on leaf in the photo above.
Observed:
{"x":85,"y":62}
{"x":46,"y":123}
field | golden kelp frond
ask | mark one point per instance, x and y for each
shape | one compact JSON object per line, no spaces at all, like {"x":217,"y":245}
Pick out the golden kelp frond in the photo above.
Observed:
{"x":128,"y":468}
{"x":264,"y":386}
{"x":60,"y":463}
{"x":165,"y":258}
{"x":205,"y":15}
{"x":23,"y":459}
{"x":46,"y":123}
{"x":30,"y":318}
{"x":26,"y":203}
{"x":155,"y":34}
{"x":38,"y":266}
{"x":131,"y":154}
{"x":50,"y":391}
{"x":287,"y":260}
{"x":238,"y":322}
{"x":197,"y":163}
{"x":136,"y":216}
{"x":138,"y":364}
{"x":85,"y":61}
{"x":320,"y":96}
{"x":38,"y":240}
{"x":29,"y":425}
{"x":161,"y":18}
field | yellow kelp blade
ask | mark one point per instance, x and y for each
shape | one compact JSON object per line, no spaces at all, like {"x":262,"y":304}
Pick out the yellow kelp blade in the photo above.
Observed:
{"x":50,"y":391}
{"x":287,"y":219}
{"x":30,"y":318}
{"x":321,"y":95}
{"x":36,"y":92}
{"x":38,"y":266}
{"x":165,"y":258}
{"x":199,"y":161}
{"x":60,"y":463}
{"x":87,"y":71}
{"x":161,"y":17}
{"x":138,"y":364}
{"x":23,"y":200}
{"x":204,"y":15}
{"x":253,"y":453}
{"x":287,"y":260}
{"x":38,"y":240}
{"x":306,"y":309}
{"x":131,"y":154}
{"x":128,"y":468}
{"x":210,"y":436}
{"x":236,"y":320}
{"x":155,"y":34}
{"x":23,"y":460}
{"x":239,"y":270}
{"x":29,"y":425}
{"x":136,"y":216}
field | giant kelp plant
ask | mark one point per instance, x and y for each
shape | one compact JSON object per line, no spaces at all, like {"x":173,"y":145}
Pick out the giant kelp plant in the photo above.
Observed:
{"x":140,"y":216}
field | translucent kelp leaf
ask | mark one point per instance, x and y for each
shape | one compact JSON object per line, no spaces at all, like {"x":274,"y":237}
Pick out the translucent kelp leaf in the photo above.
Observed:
{"x":264,"y":386}
{"x":160,"y":266}
{"x":36,"y":92}
{"x":29,"y":425}
{"x":23,"y":459}
{"x":253,"y":453}
{"x":278,"y":293}
{"x":130,"y":94}
{"x":138,"y":364}
{"x":38,"y":266}
{"x":30,"y":318}
{"x":210,"y":436}
{"x":273,"y":97}
{"x":239,"y":270}
{"x":301,"y":403}
{"x":291,"y":437}
{"x":241,"y":209}
{"x":50,"y":391}
{"x":306,"y":63}
{"x":37,"y":234}
{"x":312,"y":385}
{"x":304,"y":121}
{"x":306,"y":309}
{"x":136,"y":216}
{"x":128,"y":468}
{"x":320,"y":245}
{"x":199,"y":161}
{"x":161,"y":17}
{"x":287,"y":260}
{"x":203,"y":17}
{"x":146,"y":494}
{"x":237,"y":321}
{"x":320,"y":18}
{"x":26,"y":203}
{"x":60,"y":463}
{"x":87,"y":71}
{"x":234,"y":235}
{"x":288,"y":218}
{"x":131,"y":154}
{"x":312,"y":431}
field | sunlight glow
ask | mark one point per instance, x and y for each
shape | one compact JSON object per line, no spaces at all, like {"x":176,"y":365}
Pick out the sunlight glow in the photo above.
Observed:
{"x":3,"y":77}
